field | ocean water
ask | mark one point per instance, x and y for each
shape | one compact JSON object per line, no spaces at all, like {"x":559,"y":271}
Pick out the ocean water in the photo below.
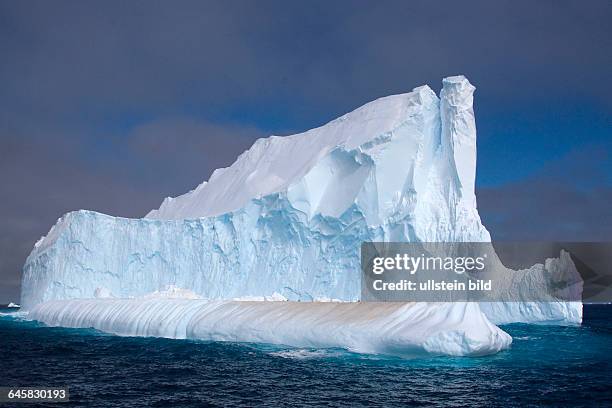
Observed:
{"x":546,"y":366}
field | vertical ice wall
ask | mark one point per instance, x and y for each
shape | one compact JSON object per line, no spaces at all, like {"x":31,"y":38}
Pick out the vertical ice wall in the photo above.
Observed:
{"x":459,"y":132}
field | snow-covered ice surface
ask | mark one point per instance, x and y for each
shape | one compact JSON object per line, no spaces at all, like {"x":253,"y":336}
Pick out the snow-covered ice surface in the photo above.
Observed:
{"x":402,"y":329}
{"x":286,"y":221}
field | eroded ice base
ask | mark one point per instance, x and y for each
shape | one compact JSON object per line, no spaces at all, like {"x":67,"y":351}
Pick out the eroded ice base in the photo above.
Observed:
{"x":402,"y":329}
{"x":556,"y":313}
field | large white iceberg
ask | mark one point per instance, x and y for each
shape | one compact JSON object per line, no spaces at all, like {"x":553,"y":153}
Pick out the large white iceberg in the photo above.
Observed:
{"x":288,"y":217}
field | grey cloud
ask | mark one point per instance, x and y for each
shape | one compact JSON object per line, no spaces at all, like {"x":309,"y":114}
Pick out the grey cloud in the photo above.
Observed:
{"x":192,"y":141}
{"x":71,"y":58}
{"x":113,"y":105}
{"x":568,"y":200}
{"x":533,"y":211}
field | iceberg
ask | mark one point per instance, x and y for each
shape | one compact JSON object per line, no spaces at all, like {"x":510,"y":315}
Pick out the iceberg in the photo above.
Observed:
{"x":289,"y":215}
{"x":285,"y":221}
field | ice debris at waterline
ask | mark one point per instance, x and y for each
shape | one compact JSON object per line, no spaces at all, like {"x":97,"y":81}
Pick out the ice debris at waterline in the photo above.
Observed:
{"x":403,"y":329}
{"x":288,"y":217}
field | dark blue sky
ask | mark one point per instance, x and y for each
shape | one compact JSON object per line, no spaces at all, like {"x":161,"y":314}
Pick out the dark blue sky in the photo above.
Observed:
{"x":113,"y":105}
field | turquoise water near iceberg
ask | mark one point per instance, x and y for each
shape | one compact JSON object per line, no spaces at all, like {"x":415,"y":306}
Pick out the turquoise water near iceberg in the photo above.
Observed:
{"x":546,"y":366}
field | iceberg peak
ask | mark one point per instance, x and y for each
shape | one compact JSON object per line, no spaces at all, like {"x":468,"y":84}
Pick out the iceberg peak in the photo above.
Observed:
{"x":278,"y":164}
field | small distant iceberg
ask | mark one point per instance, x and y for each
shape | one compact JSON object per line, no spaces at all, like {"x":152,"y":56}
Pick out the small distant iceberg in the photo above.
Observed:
{"x":13,"y":306}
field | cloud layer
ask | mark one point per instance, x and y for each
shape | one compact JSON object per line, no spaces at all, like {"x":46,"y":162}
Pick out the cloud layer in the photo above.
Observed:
{"x":114,"y":105}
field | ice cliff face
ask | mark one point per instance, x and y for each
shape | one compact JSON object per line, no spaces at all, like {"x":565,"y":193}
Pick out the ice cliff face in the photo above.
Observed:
{"x":289,"y":215}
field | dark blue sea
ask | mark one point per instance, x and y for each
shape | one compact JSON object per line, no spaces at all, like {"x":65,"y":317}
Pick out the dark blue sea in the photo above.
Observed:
{"x":546,"y":366}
